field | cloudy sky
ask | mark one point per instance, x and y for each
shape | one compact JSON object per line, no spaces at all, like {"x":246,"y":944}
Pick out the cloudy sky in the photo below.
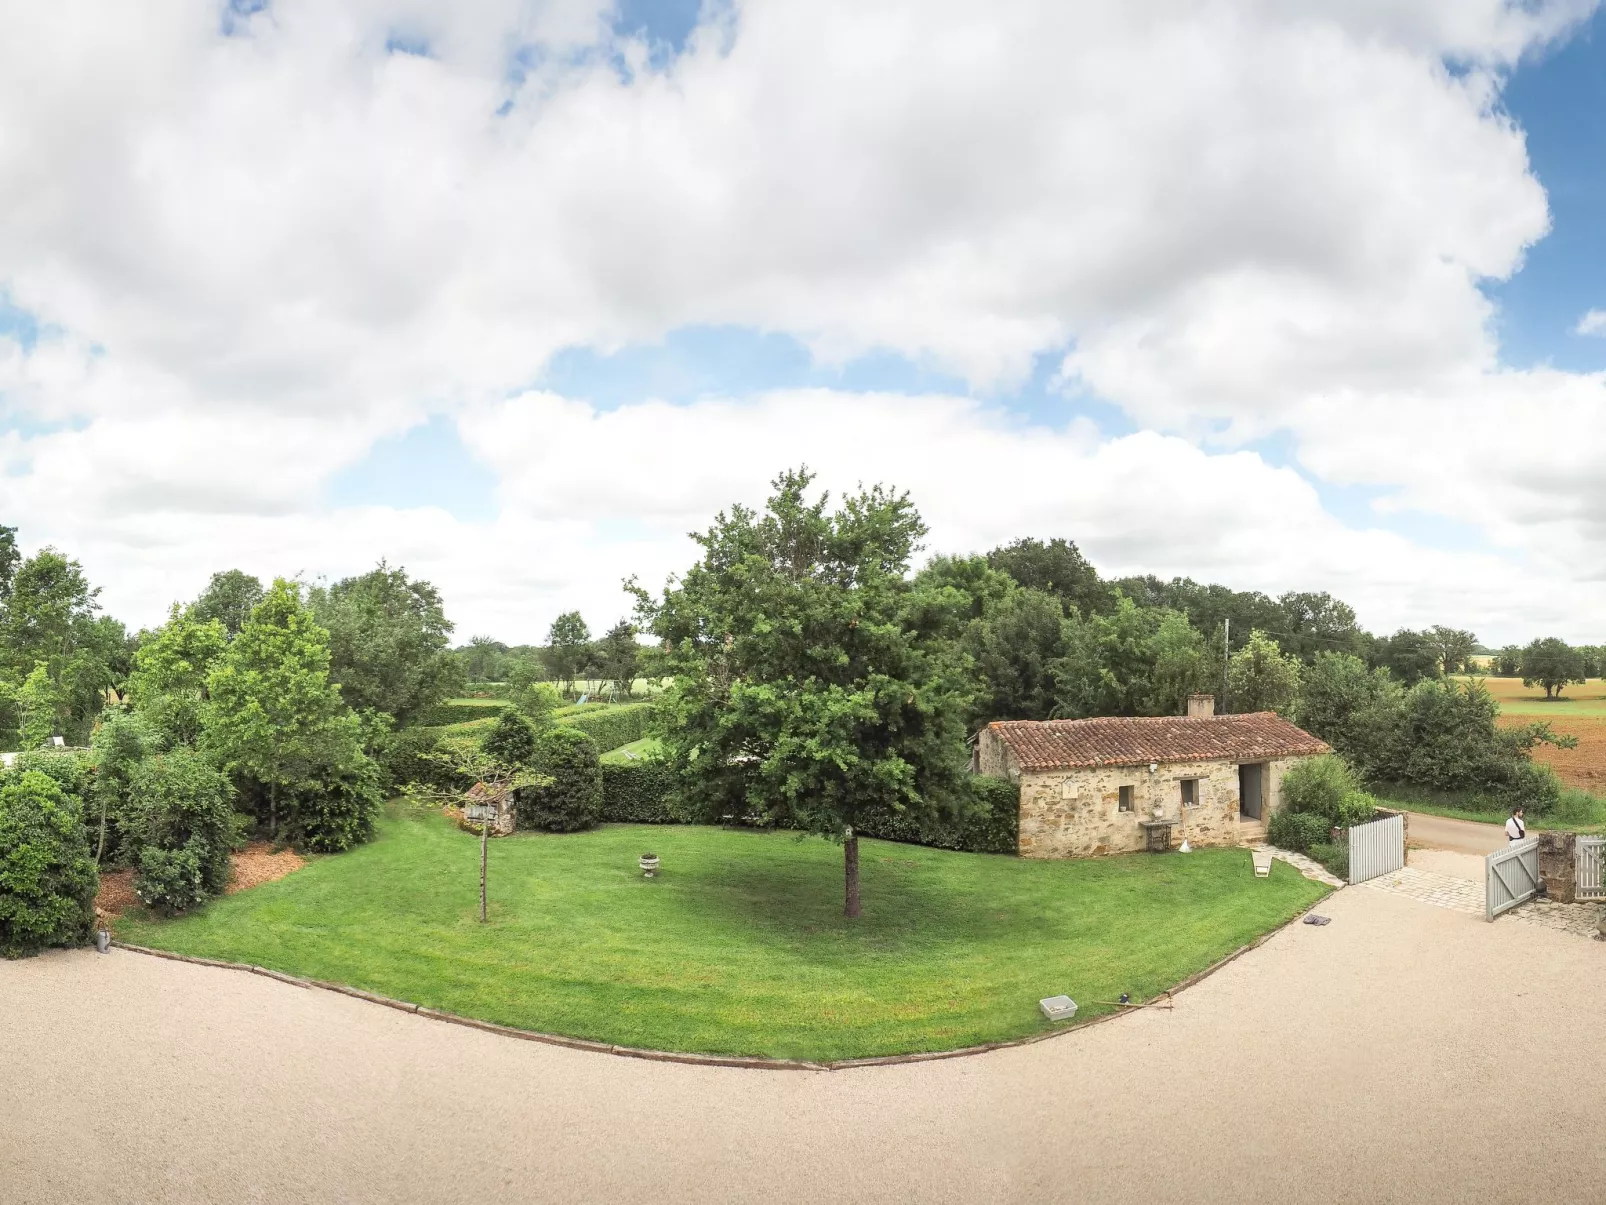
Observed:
{"x":1281,"y":293}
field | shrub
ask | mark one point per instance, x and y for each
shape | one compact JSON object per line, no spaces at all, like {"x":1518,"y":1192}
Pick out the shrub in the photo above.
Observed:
{"x":1298,"y":831}
{"x":1318,"y":786}
{"x":338,"y":811}
{"x":1532,"y":787}
{"x":122,"y":741}
{"x":611,"y":727}
{"x":172,"y":879}
{"x":69,"y":769}
{"x":47,"y":877}
{"x":511,"y":740}
{"x":573,"y":799}
{"x":639,"y":793}
{"x":1334,"y":858}
{"x":181,"y":823}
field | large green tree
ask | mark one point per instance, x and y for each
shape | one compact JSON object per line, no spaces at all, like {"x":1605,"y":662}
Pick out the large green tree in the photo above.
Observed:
{"x":1134,"y":661}
{"x":168,"y":682}
{"x":1453,"y":647}
{"x":1551,"y":663}
{"x":388,"y":642}
{"x":1058,"y":568}
{"x":9,"y":558}
{"x":568,"y":648}
{"x":619,"y":657}
{"x":809,"y":684}
{"x":229,"y":598}
{"x":272,"y":713}
{"x":1260,"y":677}
{"x":56,"y":654}
{"x":1014,"y":646}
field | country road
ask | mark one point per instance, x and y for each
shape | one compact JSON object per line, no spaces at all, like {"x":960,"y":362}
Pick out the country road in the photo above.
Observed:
{"x":1458,"y":836}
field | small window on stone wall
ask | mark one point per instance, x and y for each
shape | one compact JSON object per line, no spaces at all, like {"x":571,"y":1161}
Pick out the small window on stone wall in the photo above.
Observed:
{"x":1190,"y":792}
{"x":1126,"y":799}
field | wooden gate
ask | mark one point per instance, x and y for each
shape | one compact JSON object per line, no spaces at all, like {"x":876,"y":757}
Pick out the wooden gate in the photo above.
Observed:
{"x":1376,"y":848}
{"x":1511,"y":876}
{"x":1590,"y":855}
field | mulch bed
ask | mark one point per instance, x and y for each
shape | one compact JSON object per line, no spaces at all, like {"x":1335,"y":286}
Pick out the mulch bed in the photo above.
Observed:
{"x":258,"y":864}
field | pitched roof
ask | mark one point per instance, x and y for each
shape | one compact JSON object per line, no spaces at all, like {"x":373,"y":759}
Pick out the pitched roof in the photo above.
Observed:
{"x":1137,"y":740}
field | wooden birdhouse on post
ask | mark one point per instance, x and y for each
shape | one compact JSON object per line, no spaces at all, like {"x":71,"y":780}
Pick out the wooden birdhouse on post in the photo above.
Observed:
{"x":486,"y":802}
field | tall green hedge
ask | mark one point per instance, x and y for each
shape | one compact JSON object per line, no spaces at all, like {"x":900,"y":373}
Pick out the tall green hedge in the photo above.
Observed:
{"x":457,"y":711}
{"x":612,"y":726}
{"x":572,"y":798}
{"x":644,"y":793}
{"x":638,"y":793}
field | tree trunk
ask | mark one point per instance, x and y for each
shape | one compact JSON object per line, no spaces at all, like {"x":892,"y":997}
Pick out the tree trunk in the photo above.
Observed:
{"x":850,"y":866}
{"x":485,"y":837}
{"x":100,"y":850}
{"x":273,"y":811}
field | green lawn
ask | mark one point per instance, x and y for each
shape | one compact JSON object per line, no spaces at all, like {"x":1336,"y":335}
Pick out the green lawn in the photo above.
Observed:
{"x":645,"y":746}
{"x":740,"y":946}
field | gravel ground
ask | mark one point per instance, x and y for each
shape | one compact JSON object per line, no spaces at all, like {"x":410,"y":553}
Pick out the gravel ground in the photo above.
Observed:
{"x":1360,"y":1061}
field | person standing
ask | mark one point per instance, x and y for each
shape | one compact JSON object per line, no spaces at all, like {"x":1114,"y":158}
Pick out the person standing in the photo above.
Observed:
{"x":1516,"y":827}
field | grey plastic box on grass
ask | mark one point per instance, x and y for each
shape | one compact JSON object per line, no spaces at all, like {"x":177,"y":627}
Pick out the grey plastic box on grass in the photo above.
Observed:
{"x":1058,"y":1008}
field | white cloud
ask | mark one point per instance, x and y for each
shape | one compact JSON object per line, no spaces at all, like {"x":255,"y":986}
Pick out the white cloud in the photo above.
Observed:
{"x":255,"y":255}
{"x":1592,"y":323}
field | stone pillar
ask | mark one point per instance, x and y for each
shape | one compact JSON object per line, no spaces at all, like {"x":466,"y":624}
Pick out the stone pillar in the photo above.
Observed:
{"x":1558,"y":865}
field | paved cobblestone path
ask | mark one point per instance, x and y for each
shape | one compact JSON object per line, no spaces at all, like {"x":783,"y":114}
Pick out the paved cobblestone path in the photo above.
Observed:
{"x":1461,"y":894}
{"x":1308,"y":867}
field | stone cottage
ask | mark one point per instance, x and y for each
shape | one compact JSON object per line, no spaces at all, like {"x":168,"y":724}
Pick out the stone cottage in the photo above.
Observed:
{"x":1113,"y":785}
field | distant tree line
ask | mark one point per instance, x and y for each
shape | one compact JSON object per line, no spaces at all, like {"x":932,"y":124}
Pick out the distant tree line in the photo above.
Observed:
{"x":569,"y":655}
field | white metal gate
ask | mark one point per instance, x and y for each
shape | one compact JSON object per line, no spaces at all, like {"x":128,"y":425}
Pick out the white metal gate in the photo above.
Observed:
{"x":1590,"y":860}
{"x":1376,"y":848}
{"x":1511,"y":876}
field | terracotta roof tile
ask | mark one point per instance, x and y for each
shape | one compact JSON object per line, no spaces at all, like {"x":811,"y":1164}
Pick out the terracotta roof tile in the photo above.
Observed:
{"x":1137,"y":740}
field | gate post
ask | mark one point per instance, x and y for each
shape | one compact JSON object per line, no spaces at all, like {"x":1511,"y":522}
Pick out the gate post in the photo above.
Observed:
{"x":1558,"y":866}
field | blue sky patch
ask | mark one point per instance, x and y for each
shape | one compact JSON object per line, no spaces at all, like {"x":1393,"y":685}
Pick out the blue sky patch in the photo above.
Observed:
{"x":427,"y":466}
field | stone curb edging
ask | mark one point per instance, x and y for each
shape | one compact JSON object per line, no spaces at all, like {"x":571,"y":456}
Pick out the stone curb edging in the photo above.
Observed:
{"x":701,"y":1060}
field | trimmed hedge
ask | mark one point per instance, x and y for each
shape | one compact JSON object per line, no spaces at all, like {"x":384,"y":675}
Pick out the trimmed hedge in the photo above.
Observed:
{"x":612,"y":727}
{"x":572,"y":800}
{"x":458,"y":711}
{"x":644,"y":793}
{"x":638,"y":793}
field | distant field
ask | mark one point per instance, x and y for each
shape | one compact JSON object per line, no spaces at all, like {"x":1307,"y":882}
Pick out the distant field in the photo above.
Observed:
{"x":1580,"y":712}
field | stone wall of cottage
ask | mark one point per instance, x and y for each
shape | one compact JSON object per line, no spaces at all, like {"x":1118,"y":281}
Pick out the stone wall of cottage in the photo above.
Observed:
{"x":993,"y":757}
{"x":1076,"y":813}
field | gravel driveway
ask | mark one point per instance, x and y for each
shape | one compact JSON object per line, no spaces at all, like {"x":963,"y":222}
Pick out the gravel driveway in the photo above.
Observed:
{"x":1352,"y":1062}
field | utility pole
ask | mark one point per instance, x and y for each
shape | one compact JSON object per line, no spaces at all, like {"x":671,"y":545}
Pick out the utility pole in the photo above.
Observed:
{"x":1226,"y":655}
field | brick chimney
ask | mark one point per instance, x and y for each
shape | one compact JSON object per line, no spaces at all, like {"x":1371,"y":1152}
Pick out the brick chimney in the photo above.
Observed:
{"x":1202,"y":705}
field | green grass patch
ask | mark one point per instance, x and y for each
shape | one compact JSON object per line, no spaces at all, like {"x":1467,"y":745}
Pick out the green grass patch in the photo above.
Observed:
{"x":740,"y":945}
{"x":634,"y":751}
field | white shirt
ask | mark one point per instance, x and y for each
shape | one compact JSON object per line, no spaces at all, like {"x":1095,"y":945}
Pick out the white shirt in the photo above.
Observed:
{"x":1516,"y":829}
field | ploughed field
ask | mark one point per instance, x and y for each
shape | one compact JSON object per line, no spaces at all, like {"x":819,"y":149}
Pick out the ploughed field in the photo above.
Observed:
{"x":739,"y":945}
{"x":1580,"y":712}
